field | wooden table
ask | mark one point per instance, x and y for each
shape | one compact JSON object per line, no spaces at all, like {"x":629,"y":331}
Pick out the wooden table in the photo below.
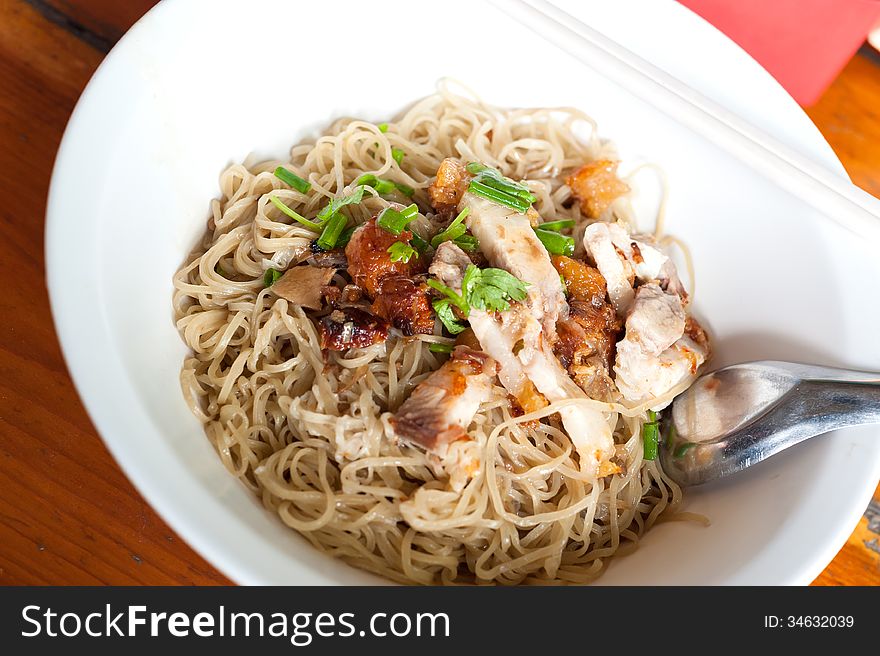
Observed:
{"x":68,"y":515}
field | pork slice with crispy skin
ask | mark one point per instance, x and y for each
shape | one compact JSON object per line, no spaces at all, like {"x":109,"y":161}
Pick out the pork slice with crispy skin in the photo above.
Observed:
{"x":442,"y":406}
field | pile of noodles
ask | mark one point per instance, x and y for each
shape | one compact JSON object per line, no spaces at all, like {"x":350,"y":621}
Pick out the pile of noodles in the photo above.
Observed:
{"x":310,"y":434}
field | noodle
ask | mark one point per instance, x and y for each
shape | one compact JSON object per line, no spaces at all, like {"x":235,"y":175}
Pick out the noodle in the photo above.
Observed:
{"x":311,"y":436}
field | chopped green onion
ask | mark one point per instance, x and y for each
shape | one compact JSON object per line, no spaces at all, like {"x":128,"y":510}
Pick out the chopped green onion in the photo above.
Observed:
{"x":311,"y":225}
{"x":650,"y":436}
{"x":406,"y":190}
{"x":400,"y":251}
{"x":395,"y":222}
{"x":507,"y":186}
{"x":397,"y":155}
{"x":436,"y":347}
{"x":451,"y":233}
{"x":337,"y":203}
{"x":271,"y":277}
{"x":420,"y":244}
{"x":345,"y":237}
{"x":467,"y":243}
{"x":490,"y":193}
{"x":443,"y":308}
{"x":683,"y":448}
{"x":556,"y":243}
{"x":454,"y":230}
{"x":557,"y":226}
{"x":383,"y":127}
{"x":493,"y":178}
{"x":475,"y":168}
{"x":384,"y":187}
{"x":293,"y":180}
{"x":332,"y":231}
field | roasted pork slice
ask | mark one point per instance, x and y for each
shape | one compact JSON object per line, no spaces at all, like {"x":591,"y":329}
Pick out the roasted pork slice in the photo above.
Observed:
{"x":405,"y":303}
{"x":351,"y":327}
{"x":586,"y":339}
{"x":528,"y":369}
{"x":369,"y":260}
{"x":441,"y":407}
{"x":302,"y":285}
{"x":641,"y":376}
{"x":661,"y":348}
{"x":509,"y":242}
{"x":623,"y":260}
{"x":448,"y":266}
{"x":596,"y":186}
{"x":448,"y":187}
{"x":586,"y":346}
{"x":656,"y":319}
{"x":612,"y":264}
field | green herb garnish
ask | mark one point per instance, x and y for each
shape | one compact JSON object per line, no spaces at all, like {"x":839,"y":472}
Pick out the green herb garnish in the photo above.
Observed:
{"x":650,"y":436}
{"x":397,"y":155}
{"x":453,"y":231}
{"x":443,"y":308}
{"x":337,"y":203}
{"x":406,"y":190}
{"x":492,"y":289}
{"x":491,"y":185}
{"x":311,"y":225}
{"x":383,"y":127}
{"x":384,"y":187}
{"x":556,"y":243}
{"x":395,"y":222}
{"x":400,"y":251}
{"x":419,"y":244}
{"x":292,"y":179}
{"x":436,"y":347}
{"x":333,"y":229}
{"x":451,"y":295}
{"x":484,"y":289}
{"x":345,"y":237}
{"x":467,"y":243}
{"x":271,"y":276}
{"x":479,"y":189}
{"x":556,"y":226}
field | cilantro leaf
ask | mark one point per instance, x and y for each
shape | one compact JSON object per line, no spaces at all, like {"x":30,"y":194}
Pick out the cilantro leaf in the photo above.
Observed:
{"x":337,"y":203}
{"x":401,"y":252}
{"x":492,"y":289}
{"x":443,"y":308}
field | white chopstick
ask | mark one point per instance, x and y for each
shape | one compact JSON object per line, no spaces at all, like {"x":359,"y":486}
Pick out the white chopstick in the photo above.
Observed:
{"x":831,"y":194}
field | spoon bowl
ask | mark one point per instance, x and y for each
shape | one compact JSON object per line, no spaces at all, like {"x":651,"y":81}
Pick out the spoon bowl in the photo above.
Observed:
{"x":738,"y":416}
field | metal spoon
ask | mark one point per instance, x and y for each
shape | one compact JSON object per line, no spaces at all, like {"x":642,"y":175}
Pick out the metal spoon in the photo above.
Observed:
{"x":737,"y":416}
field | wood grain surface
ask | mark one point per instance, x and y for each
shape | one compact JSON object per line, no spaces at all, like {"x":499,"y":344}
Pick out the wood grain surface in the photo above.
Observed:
{"x":68,"y":515}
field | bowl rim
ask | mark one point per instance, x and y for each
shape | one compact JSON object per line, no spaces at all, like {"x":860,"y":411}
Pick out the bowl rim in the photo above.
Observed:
{"x":108,"y":423}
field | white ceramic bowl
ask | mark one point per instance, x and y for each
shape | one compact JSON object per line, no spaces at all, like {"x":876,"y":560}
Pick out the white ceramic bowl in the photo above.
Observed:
{"x":195,"y":86}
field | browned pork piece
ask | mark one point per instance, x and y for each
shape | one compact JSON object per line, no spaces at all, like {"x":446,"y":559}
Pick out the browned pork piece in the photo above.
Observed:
{"x":596,"y":186}
{"x":303,"y":285}
{"x":586,"y":339}
{"x":398,"y":295}
{"x":527,"y":365}
{"x":448,"y":187}
{"x":369,"y":260}
{"x":662,"y":348}
{"x":442,"y":406}
{"x":405,"y":303}
{"x":350,"y":327}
